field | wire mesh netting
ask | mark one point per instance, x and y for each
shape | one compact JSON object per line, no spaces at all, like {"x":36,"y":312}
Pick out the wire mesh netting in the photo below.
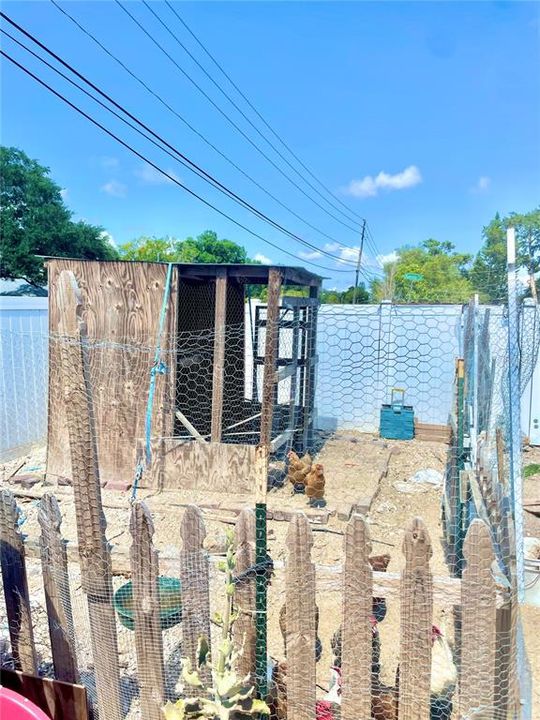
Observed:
{"x":406,"y":409}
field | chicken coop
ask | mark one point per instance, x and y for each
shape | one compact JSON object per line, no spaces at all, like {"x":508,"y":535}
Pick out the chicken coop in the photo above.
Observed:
{"x":190,"y":367}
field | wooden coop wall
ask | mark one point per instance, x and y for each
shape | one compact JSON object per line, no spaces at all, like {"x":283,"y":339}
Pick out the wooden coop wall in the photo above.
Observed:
{"x":121,"y":306}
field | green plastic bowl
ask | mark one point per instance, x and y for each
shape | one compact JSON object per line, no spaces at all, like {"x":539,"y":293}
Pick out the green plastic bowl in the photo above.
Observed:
{"x":170,"y":601}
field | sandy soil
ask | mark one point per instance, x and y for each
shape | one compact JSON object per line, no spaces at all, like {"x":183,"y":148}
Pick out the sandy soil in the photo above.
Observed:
{"x":353,"y":465}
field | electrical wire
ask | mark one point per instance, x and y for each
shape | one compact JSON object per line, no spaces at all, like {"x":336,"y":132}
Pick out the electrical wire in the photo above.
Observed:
{"x":227,"y":117}
{"x":192,"y":128}
{"x":156,"y":167}
{"x":250,"y":104}
{"x":184,"y":160}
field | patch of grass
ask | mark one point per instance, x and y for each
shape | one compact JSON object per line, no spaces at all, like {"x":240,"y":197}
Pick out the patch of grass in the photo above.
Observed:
{"x":532,"y":469}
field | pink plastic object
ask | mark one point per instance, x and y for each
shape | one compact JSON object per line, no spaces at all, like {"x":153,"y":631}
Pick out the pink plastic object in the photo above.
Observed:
{"x":15,"y":707}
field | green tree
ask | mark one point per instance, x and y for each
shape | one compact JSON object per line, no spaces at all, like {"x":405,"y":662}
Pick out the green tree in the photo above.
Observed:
{"x":488,"y":273}
{"x":205,"y":248}
{"x":35,"y":221}
{"x":431,"y":272}
{"x":345,"y":297}
{"x":150,"y":249}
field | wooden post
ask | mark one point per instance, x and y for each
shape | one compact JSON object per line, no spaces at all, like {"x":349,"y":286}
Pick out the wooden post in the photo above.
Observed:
{"x":245,"y":592}
{"x":478,"y":601}
{"x":195,"y":580}
{"x":219,"y":353}
{"x":57,"y":594}
{"x":148,"y":640}
{"x":301,"y":621}
{"x":270,"y":354}
{"x":261,"y":595}
{"x":16,"y":586}
{"x":416,"y":624}
{"x":96,"y":579}
{"x":311,"y":369}
{"x":357,"y":637}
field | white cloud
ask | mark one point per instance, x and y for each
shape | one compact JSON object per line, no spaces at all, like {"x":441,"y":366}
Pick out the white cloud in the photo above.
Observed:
{"x":310,"y":254}
{"x":388,"y":258}
{"x":259,"y":257}
{"x":108,"y":237}
{"x":369,"y":186}
{"x":114,"y":188}
{"x":148,"y":175}
{"x":482,"y":185}
{"x":64,"y":193}
{"x":109,"y":162}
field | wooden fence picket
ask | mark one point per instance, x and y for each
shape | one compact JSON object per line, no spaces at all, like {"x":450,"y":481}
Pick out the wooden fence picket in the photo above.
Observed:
{"x":479,"y":630}
{"x":357,"y":635}
{"x":94,"y":551}
{"x":57,"y":593}
{"x":195,"y":580}
{"x":16,"y":586}
{"x":148,"y":638}
{"x":301,"y":622}
{"x":244,"y":596}
{"x":416,"y":624}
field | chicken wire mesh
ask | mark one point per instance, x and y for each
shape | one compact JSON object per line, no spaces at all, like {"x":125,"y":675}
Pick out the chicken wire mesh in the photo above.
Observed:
{"x":363,"y":353}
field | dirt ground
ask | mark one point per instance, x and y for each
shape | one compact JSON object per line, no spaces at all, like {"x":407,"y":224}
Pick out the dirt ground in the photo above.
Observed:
{"x":353,"y":464}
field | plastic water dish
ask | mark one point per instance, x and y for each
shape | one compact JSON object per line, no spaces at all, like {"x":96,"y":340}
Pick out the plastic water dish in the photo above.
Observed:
{"x":170,"y":603}
{"x":15,"y":707}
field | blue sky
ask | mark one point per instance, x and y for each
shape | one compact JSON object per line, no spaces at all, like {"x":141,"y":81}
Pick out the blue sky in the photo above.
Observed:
{"x":423,"y":117}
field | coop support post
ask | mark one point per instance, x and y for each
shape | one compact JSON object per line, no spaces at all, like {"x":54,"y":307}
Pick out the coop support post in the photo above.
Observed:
{"x":460,"y":464}
{"x":15,"y":584}
{"x":57,"y":593}
{"x":94,"y":551}
{"x":275,"y":279}
{"x":148,"y":640}
{"x":219,"y":353}
{"x":416,"y":624}
{"x":261,"y":621}
{"x":311,"y":369}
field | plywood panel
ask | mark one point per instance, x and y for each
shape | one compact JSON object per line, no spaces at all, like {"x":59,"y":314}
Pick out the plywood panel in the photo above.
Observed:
{"x":121,"y":307}
{"x":216,"y":467}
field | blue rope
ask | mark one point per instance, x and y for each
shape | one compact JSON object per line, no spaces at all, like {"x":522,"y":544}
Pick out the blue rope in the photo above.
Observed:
{"x":158,"y":368}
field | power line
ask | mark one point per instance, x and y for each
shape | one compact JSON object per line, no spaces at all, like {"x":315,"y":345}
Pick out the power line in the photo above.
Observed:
{"x":242,"y":113}
{"x":156,"y":167}
{"x":250,"y":104}
{"x":227,"y":117}
{"x":184,"y":159}
{"x":192,"y":128}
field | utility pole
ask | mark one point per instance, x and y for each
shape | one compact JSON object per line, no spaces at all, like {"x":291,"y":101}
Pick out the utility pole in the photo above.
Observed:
{"x":359,"y":261}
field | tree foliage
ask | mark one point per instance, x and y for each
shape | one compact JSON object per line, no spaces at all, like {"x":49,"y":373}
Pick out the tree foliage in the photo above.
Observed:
{"x":35,"y":221}
{"x":488,"y":273}
{"x":345,"y":297}
{"x":429,"y":273}
{"x":205,"y":248}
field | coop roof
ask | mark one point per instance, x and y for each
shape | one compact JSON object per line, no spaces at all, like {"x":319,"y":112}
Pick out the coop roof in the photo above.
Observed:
{"x":249,"y":274}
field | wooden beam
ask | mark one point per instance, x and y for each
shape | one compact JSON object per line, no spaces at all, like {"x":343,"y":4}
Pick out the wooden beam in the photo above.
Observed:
{"x":219,"y":352}
{"x":280,"y":440}
{"x":270,"y":355}
{"x":15,"y":584}
{"x":357,"y":636}
{"x":189,"y":427}
{"x":300,"y":634}
{"x":57,"y":591}
{"x":148,"y":639}
{"x":96,"y":578}
{"x":416,"y":624}
{"x":244,"y":594}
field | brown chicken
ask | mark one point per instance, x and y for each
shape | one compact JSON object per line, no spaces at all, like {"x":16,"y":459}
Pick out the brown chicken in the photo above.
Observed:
{"x":298,"y":470}
{"x":315,"y":483}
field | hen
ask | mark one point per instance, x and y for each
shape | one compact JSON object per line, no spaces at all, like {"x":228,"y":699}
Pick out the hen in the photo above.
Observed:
{"x":315,"y":483}
{"x":298,"y":470}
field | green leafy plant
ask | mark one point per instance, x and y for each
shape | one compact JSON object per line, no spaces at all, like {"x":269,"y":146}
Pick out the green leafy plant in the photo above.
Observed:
{"x":532,"y":469}
{"x":229,"y":697}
